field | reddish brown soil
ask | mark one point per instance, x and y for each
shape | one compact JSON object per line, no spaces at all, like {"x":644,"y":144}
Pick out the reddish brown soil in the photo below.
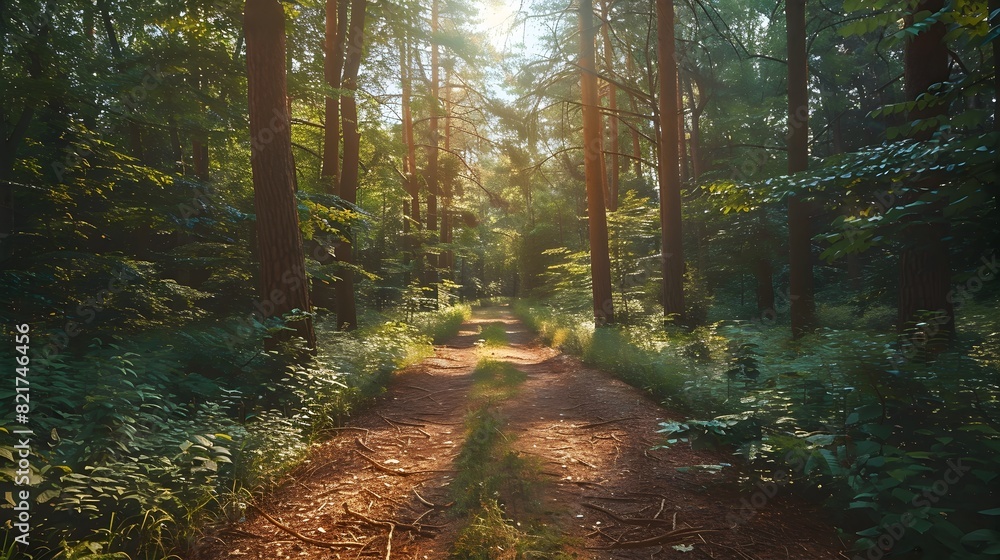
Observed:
{"x":592,"y":435}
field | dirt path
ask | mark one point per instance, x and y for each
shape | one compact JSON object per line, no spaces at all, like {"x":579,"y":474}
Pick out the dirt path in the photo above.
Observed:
{"x":587,"y":439}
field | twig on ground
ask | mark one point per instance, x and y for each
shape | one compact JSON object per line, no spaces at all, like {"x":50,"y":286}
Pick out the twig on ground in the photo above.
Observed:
{"x":382,"y":467}
{"x":303,"y":538}
{"x":672,"y":536}
{"x":362,"y":445}
{"x":424,"y":530}
{"x":624,"y":520}
{"x":429,"y":503}
{"x":663,"y":503}
{"x":596,"y":424}
{"x":398,"y":423}
{"x":388,"y":542}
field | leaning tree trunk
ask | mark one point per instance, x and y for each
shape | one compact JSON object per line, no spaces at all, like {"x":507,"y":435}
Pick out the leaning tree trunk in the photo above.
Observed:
{"x":669,"y":170}
{"x":283,"y":285}
{"x":347,"y":312}
{"x":924,"y":270}
{"x":800,"y":275}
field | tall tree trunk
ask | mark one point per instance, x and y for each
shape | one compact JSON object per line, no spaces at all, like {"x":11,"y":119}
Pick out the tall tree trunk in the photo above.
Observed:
{"x":412,"y":185}
{"x":995,"y":8}
{"x":765,"y":286}
{"x":671,"y":242}
{"x":600,"y":261}
{"x":697,"y":108}
{"x":176,"y":148}
{"x":336,"y":31}
{"x":995,"y":22}
{"x":199,"y":150}
{"x":347,"y":312}
{"x":446,"y":255}
{"x":681,"y":135}
{"x":609,"y":63}
{"x":283,"y":284}
{"x":800,"y":277}
{"x":431,"y":277}
{"x":634,"y":106}
{"x":924,"y":270}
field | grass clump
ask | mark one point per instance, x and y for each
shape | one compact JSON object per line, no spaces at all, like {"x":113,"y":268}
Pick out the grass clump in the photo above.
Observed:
{"x":494,"y":334}
{"x":490,"y":535}
{"x":494,"y":485}
{"x":495,"y":380}
{"x":442,"y":324}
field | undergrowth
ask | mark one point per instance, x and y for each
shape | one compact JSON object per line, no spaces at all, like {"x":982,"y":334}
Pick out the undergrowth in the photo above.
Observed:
{"x":494,"y":334}
{"x":497,"y":490}
{"x":908,"y":446}
{"x":142,"y":444}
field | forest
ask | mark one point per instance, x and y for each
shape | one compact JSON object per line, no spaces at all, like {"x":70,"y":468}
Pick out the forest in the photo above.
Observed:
{"x":550,"y":279}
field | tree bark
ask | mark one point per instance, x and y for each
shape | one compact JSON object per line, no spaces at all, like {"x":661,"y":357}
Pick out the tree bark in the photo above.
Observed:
{"x":283,"y":283}
{"x":636,"y":145}
{"x":431,"y":277}
{"x":410,"y":160}
{"x":600,"y":261}
{"x":671,"y":242}
{"x":347,"y":313}
{"x":924,"y":270}
{"x":336,"y":31}
{"x":697,"y":108}
{"x":800,"y":278}
{"x":199,"y":150}
{"x":681,"y":136}
{"x":765,"y":286}
{"x":446,"y":255}
{"x":609,"y":63}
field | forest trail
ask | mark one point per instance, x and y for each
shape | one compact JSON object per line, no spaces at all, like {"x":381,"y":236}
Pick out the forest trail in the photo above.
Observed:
{"x":573,"y":437}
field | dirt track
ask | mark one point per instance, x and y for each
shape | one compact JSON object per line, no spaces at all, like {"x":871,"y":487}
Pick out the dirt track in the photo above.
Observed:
{"x":591,"y":437}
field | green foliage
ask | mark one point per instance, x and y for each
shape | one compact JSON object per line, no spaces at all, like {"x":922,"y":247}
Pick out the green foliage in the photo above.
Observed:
{"x":840,"y":415}
{"x":144,"y":451}
{"x":443,"y":324}
{"x":494,"y":334}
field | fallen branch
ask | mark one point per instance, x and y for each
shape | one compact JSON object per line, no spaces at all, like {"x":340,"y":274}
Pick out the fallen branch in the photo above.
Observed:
{"x":382,"y":467}
{"x":388,"y":542}
{"x":362,"y":445}
{"x":423,"y":530}
{"x":624,"y":520}
{"x":402,"y":423}
{"x":672,"y":536}
{"x":429,"y":503}
{"x":606,"y":422}
{"x":303,"y":538}
{"x":387,"y":470}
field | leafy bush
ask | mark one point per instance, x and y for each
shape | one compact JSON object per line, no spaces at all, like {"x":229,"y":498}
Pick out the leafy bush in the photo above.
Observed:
{"x":841,"y":415}
{"x":149,"y":441}
{"x":442,"y":324}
